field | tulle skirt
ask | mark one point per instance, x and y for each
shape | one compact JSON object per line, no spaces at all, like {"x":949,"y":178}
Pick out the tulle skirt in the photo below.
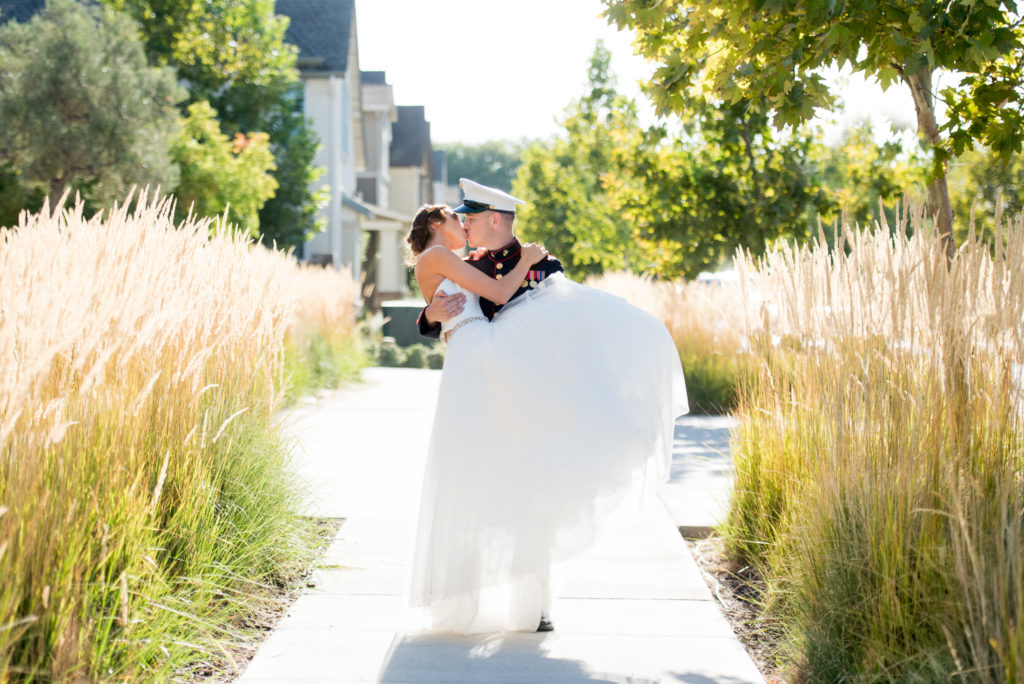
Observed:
{"x":547,"y":417}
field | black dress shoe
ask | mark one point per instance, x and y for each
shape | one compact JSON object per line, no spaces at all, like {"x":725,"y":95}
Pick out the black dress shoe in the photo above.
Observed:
{"x":545,"y":625}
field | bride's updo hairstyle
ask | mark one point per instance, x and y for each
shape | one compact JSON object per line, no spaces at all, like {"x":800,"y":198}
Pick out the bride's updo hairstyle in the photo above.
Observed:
{"x":421,"y":231}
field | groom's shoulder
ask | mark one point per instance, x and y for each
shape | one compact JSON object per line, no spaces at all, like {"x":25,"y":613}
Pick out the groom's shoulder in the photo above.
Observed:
{"x":477,"y":262}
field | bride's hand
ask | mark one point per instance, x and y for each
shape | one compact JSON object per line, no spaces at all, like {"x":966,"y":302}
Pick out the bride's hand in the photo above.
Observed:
{"x":533,"y":252}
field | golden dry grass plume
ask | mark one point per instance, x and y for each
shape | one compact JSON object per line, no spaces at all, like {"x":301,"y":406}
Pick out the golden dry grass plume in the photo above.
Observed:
{"x":143,"y":489}
{"x":880,"y":452}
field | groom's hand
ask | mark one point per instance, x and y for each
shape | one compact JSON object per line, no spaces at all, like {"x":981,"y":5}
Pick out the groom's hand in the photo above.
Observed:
{"x":444,"y":307}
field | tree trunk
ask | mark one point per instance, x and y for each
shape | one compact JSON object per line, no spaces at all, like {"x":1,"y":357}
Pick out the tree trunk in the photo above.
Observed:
{"x":58,"y":186}
{"x":920,"y":83}
{"x":957,"y":386}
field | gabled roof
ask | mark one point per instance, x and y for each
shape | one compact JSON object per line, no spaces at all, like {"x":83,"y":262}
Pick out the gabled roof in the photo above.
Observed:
{"x":373,"y":77}
{"x":19,"y":10}
{"x":410,"y":137}
{"x":321,"y":30}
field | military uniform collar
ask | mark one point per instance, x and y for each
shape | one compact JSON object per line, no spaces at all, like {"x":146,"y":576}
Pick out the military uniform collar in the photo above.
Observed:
{"x":507,"y":252}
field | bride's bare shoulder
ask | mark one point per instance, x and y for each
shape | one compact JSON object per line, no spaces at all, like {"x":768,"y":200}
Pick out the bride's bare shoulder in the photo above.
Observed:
{"x":435,"y":251}
{"x":432,"y":257}
{"x":428,"y":267}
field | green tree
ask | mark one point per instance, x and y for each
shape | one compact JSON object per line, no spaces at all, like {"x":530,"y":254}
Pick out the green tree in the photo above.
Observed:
{"x":80,"y":107}
{"x":563,"y":182}
{"x":221,"y":174}
{"x":768,"y":55}
{"x":232,"y":54}
{"x":857,"y":173}
{"x":609,"y":195}
{"x":290,"y":217}
{"x":981,"y":182}
{"x":494,"y":163}
{"x":724,"y":180}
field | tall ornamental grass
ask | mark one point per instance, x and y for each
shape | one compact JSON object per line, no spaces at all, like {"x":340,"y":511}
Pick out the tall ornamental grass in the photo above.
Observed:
{"x":323,"y":348}
{"x":879,"y":458}
{"x":145,"y":497}
{"x":706,"y":321}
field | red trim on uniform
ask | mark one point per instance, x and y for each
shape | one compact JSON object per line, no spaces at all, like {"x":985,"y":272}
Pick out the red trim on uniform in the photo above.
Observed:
{"x":513,"y":248}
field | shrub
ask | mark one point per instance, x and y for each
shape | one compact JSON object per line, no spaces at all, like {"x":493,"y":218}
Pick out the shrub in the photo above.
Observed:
{"x":415,"y":356}
{"x":390,"y":354}
{"x":435,"y":358}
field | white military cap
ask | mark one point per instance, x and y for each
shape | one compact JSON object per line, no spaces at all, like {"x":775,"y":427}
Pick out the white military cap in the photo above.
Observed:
{"x":482,"y":198}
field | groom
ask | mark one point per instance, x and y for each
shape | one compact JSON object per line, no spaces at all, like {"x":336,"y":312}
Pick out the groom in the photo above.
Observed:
{"x":488,"y":223}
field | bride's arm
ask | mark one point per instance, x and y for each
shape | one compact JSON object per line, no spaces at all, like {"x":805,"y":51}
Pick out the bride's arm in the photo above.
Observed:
{"x":455,"y":269}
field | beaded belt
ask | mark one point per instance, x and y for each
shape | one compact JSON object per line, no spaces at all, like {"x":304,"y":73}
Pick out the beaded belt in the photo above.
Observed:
{"x":448,"y":333}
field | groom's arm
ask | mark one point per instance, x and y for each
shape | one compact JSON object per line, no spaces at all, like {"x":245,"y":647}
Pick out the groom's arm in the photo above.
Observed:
{"x":538,"y":271}
{"x":443,"y":307}
{"x":438,"y":311}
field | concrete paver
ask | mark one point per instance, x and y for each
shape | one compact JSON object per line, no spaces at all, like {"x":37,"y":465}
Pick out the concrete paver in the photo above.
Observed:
{"x":633,"y":609}
{"x":700,"y":482}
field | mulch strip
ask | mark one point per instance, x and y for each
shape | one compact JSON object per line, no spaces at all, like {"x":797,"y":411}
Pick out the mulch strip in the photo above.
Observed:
{"x":738,"y":590}
{"x":253,"y":629}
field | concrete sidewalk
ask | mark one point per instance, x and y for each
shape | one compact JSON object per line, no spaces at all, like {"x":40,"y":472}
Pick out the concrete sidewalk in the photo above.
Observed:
{"x":633,"y":609}
{"x":697,"y":493}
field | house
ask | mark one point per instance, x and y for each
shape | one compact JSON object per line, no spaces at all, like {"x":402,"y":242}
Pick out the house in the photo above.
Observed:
{"x":325,"y":33}
{"x":384,"y":275}
{"x":441,"y":178}
{"x":378,"y":155}
{"x":412,"y":160}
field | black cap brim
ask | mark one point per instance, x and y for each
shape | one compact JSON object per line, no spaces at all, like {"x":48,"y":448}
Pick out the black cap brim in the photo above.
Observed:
{"x":472,"y":207}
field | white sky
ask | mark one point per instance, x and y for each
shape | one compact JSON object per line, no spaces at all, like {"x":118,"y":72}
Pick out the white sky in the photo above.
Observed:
{"x":489,"y":70}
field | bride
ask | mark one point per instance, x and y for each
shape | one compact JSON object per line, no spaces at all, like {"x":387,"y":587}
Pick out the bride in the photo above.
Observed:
{"x":547,"y":417}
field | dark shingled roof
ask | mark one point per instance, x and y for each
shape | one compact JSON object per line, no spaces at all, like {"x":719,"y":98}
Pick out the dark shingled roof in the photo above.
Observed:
{"x":321,"y":30}
{"x":19,"y":10}
{"x":410,"y":137}
{"x":373,"y":78}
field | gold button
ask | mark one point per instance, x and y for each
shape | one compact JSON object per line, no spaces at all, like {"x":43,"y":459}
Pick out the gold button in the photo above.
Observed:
{"x":498,"y":276}
{"x":499,"y":266}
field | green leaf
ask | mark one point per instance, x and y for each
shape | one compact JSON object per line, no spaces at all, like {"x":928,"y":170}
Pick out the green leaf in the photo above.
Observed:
{"x":887,"y":76}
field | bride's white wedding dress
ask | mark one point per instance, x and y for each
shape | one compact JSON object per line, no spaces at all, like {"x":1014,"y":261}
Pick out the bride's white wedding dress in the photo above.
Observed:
{"x":546,"y":417}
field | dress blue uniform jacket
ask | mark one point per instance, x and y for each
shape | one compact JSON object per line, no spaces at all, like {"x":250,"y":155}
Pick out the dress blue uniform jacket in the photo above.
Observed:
{"x":494,"y":263}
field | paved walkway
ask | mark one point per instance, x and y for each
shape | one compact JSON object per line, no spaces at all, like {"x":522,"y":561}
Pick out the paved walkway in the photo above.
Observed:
{"x":634,"y":609}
